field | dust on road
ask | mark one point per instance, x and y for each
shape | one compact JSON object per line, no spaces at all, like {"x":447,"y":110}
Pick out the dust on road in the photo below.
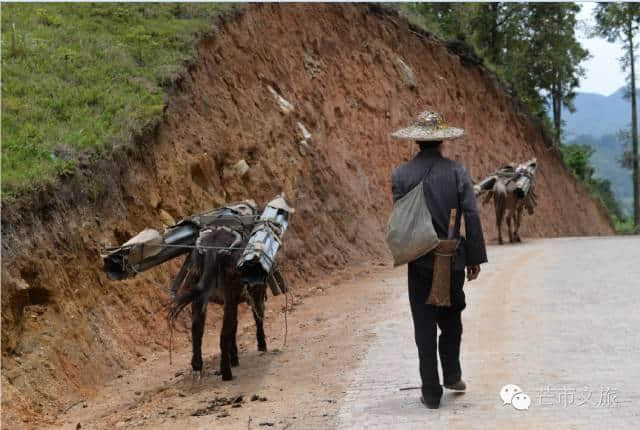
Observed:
{"x":556,"y":317}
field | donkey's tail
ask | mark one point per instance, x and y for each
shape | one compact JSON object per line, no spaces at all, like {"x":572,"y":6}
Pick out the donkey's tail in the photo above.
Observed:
{"x":197,"y":285}
{"x":181,"y":301}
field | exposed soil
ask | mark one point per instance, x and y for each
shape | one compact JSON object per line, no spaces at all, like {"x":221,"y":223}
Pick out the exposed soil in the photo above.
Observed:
{"x":67,"y":330}
{"x":297,"y":385}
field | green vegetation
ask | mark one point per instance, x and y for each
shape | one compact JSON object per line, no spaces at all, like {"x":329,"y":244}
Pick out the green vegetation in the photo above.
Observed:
{"x":578,"y":159}
{"x":621,"y":22}
{"x":533,"y":47}
{"x":86,"y":76}
{"x":625,"y":226}
{"x":606,"y":161}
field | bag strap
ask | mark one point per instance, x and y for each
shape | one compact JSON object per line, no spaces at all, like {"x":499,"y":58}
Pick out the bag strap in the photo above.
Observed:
{"x":457,"y":232}
{"x":428,"y":172}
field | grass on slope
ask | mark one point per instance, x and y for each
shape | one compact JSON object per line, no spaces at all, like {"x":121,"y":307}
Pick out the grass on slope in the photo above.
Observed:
{"x":77,"y":76}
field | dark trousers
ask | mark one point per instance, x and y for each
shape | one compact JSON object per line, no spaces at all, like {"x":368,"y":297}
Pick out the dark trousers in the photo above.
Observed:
{"x":426,"y":319}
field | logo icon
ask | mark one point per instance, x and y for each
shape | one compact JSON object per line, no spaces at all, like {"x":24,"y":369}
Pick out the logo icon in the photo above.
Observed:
{"x":507,"y":392}
{"x":521,"y":401}
{"x":513,"y":395}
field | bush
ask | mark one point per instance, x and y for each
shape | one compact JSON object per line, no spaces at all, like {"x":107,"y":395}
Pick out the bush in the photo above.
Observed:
{"x":577,"y":157}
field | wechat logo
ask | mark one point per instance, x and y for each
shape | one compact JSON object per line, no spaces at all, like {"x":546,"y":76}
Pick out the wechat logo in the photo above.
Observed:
{"x":512,"y":395}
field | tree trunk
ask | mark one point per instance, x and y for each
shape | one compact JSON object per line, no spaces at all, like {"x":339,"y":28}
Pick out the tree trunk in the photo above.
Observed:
{"x":634,"y":132}
{"x":494,"y":49}
{"x":556,"y":99}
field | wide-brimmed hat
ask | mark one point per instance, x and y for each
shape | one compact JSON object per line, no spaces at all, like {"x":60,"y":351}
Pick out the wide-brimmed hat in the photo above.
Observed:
{"x":428,"y":126}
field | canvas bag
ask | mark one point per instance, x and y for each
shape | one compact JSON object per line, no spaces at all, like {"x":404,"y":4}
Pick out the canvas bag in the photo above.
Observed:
{"x":410,"y":232}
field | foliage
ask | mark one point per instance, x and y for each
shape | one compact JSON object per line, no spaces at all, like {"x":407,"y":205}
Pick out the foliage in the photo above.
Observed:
{"x":78,"y":76}
{"x":448,"y":20}
{"x":555,"y":56}
{"x":624,"y":226}
{"x":578,"y":159}
{"x":605,"y":160}
{"x":617,"y":21}
{"x":601,"y":188}
{"x":531,"y":46}
{"x":621,"y":22}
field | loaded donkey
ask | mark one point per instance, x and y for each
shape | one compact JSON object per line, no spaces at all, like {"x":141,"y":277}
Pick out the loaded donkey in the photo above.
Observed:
{"x":211,"y":273}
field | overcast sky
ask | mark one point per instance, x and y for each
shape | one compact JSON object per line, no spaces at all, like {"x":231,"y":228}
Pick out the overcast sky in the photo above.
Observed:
{"x":603,"y":72}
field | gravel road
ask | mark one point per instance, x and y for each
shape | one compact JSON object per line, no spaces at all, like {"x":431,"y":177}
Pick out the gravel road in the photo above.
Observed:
{"x":558,"y":318}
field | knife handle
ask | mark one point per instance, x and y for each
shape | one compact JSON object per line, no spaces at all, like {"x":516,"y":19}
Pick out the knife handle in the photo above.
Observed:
{"x":452,"y":223}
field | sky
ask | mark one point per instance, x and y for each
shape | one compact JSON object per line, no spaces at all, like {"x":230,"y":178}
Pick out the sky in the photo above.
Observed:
{"x":603,"y":72}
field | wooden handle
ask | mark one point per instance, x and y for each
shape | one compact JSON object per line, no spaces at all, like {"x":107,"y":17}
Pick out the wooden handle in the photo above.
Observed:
{"x":452,"y":223}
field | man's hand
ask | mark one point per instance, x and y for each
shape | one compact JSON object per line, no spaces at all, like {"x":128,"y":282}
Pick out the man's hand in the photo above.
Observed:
{"x":473,"y":272}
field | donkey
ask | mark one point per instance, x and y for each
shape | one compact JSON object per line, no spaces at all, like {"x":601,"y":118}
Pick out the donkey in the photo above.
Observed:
{"x":212,"y":276}
{"x":507,"y":201}
{"x":512,"y":188}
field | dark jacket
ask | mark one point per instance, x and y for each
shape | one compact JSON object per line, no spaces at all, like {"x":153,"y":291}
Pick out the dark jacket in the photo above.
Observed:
{"x":447,"y":186}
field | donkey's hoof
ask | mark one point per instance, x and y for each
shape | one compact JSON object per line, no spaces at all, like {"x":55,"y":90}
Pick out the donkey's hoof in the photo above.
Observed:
{"x":197,"y":375}
{"x":262,"y":348}
{"x":196,"y":364}
{"x":227,"y":376}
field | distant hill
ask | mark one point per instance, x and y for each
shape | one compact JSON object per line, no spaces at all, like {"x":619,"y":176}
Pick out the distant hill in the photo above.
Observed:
{"x":596,"y":122}
{"x":597,"y":115}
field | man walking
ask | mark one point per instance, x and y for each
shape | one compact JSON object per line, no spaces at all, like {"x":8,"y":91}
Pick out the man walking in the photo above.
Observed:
{"x":446,"y":186}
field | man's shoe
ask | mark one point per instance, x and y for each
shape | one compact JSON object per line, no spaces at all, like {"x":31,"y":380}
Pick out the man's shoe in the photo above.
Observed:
{"x":430,"y":404}
{"x":458,"y":386}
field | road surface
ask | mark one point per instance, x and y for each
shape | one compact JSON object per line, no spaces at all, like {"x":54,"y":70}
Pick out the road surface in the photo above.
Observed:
{"x":559,"y":318}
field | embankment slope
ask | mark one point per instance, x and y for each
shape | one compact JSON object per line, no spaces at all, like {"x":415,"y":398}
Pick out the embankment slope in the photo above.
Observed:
{"x":66,"y":329}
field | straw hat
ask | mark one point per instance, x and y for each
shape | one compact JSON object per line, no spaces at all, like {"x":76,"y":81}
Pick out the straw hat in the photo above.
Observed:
{"x":428,"y":126}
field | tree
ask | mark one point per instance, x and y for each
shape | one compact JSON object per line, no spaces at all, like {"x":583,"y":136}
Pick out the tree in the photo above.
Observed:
{"x":555,"y":56}
{"x":531,"y":46}
{"x":621,"y":22}
{"x":493,"y":25}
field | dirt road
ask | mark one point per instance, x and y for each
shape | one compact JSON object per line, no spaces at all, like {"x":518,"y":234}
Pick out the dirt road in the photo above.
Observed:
{"x":557,"y":317}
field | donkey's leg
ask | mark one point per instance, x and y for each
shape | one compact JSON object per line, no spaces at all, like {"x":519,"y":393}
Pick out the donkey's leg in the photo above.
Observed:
{"x":226,"y":337}
{"x":500,"y":205}
{"x":233,"y":351}
{"x":518,"y":218}
{"x":198,"y":316}
{"x":509,"y":220}
{"x":258,"y":296}
{"x":499,"y":215}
